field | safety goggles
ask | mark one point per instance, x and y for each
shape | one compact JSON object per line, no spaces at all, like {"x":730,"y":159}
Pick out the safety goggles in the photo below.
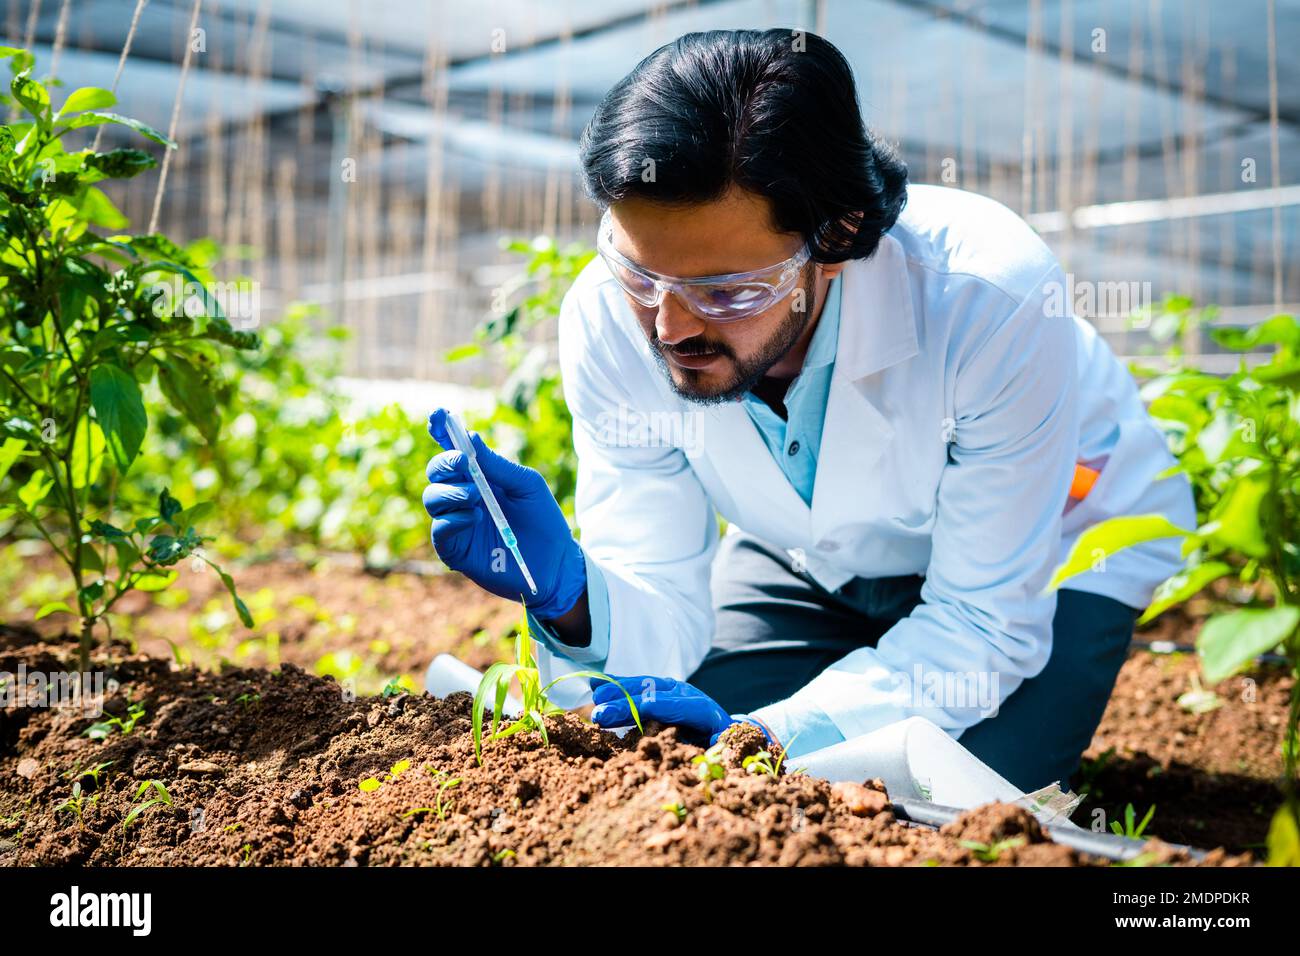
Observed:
{"x":723,"y":298}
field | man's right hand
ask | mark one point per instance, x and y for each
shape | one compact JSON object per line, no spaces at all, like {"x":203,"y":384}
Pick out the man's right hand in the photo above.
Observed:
{"x":467,"y":540}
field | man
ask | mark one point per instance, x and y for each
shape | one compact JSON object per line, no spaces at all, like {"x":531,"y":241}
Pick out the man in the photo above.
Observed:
{"x":880,"y":391}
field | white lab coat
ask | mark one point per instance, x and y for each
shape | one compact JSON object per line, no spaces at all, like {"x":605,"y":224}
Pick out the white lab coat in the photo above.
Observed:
{"x":957,"y":410}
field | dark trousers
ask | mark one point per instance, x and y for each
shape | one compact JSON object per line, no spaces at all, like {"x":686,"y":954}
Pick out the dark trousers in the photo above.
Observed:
{"x":777,"y":629}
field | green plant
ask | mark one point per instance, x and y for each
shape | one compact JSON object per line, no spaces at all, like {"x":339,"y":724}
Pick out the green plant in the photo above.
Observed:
{"x":77,"y":803}
{"x":990,"y":852}
{"x":676,"y":809}
{"x":1131,"y":828}
{"x":371,"y":784}
{"x":445,"y":783}
{"x":102,"y":729}
{"x":1237,"y":440}
{"x":162,"y":797}
{"x":94,"y":772}
{"x":762,"y":762}
{"x":709,"y":766}
{"x":537,"y":705}
{"x":86,"y":321}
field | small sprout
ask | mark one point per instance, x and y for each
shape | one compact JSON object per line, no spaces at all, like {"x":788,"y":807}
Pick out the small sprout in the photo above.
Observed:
{"x":247,"y":851}
{"x":371,"y":784}
{"x":1198,"y":700}
{"x":248,"y":700}
{"x":989,"y":852}
{"x":76,"y":773}
{"x":677,"y":810}
{"x":231,"y":828}
{"x":502,"y":855}
{"x":1131,"y":828}
{"x":762,"y":762}
{"x":537,"y":705}
{"x":101,"y":730}
{"x":710,"y":767}
{"x":77,"y":803}
{"x":393,"y":688}
{"x":139,"y":808}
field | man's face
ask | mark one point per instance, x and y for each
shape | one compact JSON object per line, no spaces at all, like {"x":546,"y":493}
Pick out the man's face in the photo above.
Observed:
{"x":712,"y":361}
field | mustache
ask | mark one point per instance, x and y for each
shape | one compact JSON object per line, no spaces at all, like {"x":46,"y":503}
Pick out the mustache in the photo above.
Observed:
{"x":693,"y":346}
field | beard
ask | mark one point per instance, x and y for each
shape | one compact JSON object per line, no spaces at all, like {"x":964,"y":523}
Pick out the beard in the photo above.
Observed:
{"x":747,"y":372}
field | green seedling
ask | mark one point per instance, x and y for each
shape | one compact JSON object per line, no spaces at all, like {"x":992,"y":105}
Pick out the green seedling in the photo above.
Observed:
{"x":443,"y":804}
{"x":537,"y":705}
{"x":94,"y":773}
{"x":1131,"y":828}
{"x":676,"y":809}
{"x":248,"y":700}
{"x":371,"y":784}
{"x":77,"y":803}
{"x":163,"y":797}
{"x":762,"y":762}
{"x":502,"y":855}
{"x":246,"y":851}
{"x":101,"y":730}
{"x":709,"y":767}
{"x":989,"y":852}
{"x":393,"y":688}
{"x":1198,"y":700}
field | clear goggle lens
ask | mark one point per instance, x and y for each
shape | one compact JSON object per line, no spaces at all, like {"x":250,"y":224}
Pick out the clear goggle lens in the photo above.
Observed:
{"x":718,"y":299}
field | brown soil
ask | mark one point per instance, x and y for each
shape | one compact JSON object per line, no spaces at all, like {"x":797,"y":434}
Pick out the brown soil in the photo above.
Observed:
{"x":265,"y":769}
{"x":1212,"y":776}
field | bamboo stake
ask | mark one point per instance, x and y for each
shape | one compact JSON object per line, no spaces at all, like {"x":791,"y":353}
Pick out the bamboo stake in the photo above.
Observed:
{"x":176,"y":115}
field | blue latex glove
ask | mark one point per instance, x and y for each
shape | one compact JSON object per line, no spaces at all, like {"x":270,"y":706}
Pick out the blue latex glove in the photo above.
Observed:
{"x":468,"y":541}
{"x":663,"y":699}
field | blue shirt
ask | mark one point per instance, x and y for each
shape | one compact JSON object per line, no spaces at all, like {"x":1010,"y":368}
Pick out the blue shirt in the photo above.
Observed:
{"x":793,"y":442}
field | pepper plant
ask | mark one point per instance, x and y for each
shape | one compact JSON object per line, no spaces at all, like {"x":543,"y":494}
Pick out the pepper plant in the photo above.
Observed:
{"x":87,"y":321}
{"x":1237,"y":439}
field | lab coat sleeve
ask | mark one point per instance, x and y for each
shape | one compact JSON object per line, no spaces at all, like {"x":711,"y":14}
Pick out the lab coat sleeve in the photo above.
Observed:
{"x":646,"y":526}
{"x":985,"y":623}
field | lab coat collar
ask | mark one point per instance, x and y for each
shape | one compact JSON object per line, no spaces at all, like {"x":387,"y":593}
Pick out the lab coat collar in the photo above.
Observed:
{"x":877,"y":321}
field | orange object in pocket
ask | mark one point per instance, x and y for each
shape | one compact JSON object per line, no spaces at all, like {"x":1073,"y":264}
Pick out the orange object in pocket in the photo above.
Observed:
{"x":1082,"y":482}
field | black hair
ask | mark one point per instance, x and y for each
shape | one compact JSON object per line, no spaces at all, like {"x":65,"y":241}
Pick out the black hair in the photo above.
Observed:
{"x":774,"y":112}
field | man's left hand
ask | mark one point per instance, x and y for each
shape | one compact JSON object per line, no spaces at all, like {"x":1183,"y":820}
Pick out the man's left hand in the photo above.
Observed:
{"x":659,"y":698}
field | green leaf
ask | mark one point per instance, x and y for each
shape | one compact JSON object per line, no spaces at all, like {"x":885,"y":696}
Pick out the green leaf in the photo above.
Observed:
{"x":369,"y":785}
{"x":154,"y":580}
{"x":1284,"y":837}
{"x":87,"y":98}
{"x":99,"y":119}
{"x":96,"y":208}
{"x":115,"y":396}
{"x":169,"y":507}
{"x":1182,"y":586}
{"x":36,"y":489}
{"x":1229,"y":641}
{"x":32,"y":95}
{"x":54,"y":607}
{"x":190,"y":393}
{"x":1110,"y":537}
{"x":87,"y":454}
{"x":121,"y":163}
{"x":102,"y":529}
{"x":1235,"y":520}
{"x":240,"y":607}
{"x":10,"y":452}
